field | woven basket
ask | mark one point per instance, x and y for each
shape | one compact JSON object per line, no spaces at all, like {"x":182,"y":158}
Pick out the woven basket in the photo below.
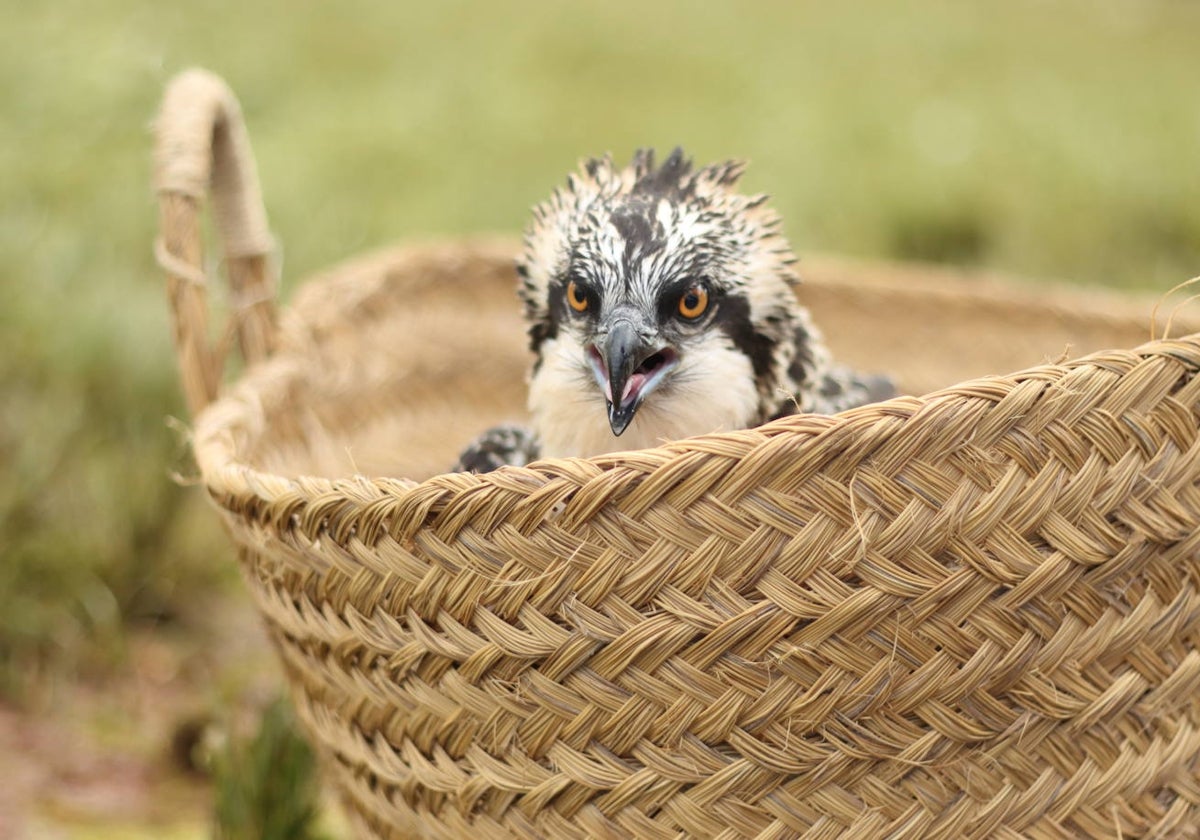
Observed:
{"x":972,"y":613}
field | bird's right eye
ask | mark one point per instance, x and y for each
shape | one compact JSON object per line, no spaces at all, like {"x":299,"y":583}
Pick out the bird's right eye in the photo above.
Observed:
{"x":577,"y":297}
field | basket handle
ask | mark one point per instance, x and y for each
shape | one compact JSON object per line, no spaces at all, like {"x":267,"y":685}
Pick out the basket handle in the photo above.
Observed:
{"x":201,"y":148}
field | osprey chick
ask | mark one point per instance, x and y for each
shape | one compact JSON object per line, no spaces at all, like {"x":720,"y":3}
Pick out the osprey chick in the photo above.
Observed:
{"x":660,"y":305}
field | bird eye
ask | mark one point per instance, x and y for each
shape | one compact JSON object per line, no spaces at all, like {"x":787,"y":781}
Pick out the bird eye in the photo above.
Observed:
{"x":693,"y":302}
{"x":577,"y":297}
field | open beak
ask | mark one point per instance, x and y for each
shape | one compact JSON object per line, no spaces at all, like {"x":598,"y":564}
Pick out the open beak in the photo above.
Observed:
{"x":627,"y":369}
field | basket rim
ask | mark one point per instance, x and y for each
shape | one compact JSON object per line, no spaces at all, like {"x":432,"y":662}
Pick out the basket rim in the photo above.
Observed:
{"x":316,"y":504}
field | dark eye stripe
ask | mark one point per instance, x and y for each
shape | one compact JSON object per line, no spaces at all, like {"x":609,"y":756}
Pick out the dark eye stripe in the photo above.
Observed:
{"x":733,"y":319}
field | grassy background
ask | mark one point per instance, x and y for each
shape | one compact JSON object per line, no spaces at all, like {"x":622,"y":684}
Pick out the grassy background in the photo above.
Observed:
{"x":1048,"y":139}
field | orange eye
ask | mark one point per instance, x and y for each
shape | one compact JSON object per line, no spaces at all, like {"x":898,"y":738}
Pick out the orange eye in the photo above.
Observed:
{"x":576,"y":297}
{"x":693,"y":302}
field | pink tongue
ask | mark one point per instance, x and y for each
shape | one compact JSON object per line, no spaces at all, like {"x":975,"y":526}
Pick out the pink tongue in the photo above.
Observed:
{"x":633,"y":385}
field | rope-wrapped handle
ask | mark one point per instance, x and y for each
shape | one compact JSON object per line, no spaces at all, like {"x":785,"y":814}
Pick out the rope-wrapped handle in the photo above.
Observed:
{"x":202,"y":149}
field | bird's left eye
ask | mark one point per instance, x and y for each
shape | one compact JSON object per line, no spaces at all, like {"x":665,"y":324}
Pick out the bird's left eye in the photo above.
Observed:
{"x":693,"y":302}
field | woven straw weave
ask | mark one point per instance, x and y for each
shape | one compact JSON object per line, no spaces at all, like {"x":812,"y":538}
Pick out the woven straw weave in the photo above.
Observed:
{"x":968,"y":614}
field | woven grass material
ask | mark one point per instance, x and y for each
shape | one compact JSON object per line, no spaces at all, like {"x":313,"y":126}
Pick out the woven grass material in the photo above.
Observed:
{"x":968,"y":614}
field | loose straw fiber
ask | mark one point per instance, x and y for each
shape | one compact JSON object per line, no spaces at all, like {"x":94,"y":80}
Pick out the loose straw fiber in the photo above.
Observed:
{"x":968,"y":614}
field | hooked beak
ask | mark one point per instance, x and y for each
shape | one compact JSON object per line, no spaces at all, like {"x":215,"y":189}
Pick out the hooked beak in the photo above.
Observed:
{"x":626,"y":370}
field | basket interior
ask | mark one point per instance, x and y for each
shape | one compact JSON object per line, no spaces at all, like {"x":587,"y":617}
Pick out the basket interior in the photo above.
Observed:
{"x":391,"y":363}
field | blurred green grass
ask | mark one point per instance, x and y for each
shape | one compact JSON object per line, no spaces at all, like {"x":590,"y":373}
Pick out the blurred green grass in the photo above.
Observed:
{"x":1048,"y":139}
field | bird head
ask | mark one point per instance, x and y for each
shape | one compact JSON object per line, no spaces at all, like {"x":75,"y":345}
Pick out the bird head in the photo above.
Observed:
{"x":656,"y":290}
